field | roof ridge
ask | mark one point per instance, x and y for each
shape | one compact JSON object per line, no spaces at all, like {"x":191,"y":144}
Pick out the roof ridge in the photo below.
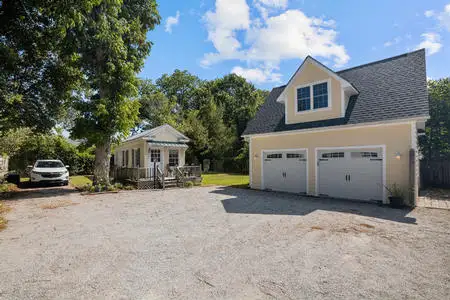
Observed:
{"x":381,"y":60}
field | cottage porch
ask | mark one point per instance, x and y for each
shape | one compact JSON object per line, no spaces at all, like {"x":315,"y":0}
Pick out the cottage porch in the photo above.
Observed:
{"x":155,"y":178}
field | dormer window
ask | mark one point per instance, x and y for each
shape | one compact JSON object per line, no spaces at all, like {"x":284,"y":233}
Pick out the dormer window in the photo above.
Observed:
{"x":312,"y":97}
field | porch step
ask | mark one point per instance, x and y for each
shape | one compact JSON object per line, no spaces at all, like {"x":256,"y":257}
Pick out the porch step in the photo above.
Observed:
{"x":170,"y":182}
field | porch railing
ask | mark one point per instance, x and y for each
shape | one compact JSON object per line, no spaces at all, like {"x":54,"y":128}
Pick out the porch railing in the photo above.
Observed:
{"x":133,"y":174}
{"x":156,"y":175}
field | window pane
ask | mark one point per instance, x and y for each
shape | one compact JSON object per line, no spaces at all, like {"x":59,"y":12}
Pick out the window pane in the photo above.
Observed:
{"x":173,"y":157}
{"x":320,"y":92}
{"x":294,"y":155}
{"x":155,"y":155}
{"x":303,"y":99}
{"x":274,"y":155}
{"x":333,"y":155}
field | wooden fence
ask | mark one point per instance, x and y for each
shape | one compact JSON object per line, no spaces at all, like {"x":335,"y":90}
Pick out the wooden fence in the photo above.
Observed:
{"x":435,"y":174}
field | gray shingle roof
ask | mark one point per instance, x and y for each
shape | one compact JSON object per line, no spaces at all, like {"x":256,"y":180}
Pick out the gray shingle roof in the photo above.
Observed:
{"x":389,"y":89}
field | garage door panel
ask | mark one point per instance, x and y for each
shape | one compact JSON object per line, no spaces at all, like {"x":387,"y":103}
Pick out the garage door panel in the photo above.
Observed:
{"x":285,"y":171}
{"x":352,"y":174}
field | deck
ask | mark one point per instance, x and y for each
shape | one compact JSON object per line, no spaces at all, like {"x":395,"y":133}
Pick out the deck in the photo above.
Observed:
{"x":154,"y":178}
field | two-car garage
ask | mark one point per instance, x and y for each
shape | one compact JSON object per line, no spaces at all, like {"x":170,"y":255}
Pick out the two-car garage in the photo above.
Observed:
{"x":352,"y":173}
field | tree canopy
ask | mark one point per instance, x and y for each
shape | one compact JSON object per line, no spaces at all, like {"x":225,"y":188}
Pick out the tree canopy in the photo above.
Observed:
{"x":212,"y":113}
{"x":436,"y":144}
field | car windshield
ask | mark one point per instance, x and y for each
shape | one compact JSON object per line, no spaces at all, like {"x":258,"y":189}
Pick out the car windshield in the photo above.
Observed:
{"x":49,"y":164}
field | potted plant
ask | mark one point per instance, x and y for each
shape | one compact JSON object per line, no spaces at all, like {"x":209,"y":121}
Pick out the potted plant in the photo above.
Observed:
{"x":397,"y":196}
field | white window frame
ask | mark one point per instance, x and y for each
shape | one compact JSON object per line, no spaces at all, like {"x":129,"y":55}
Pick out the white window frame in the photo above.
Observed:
{"x":311,"y":97}
{"x":151,"y":156}
{"x":178,"y":156}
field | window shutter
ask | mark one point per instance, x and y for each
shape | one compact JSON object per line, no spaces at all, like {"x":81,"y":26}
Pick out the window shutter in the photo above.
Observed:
{"x":138,"y":157}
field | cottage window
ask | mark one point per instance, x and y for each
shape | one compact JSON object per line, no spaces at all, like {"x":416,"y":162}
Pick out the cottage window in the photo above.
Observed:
{"x":137,"y":154}
{"x":173,"y":158}
{"x":155,"y":155}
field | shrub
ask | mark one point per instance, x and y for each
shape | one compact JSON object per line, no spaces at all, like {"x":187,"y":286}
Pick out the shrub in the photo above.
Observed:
{"x":188,"y":184}
{"x":128,"y":187}
{"x":6,"y":189}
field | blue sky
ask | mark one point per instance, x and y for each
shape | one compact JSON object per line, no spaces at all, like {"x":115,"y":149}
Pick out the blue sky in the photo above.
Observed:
{"x":266,"y":40}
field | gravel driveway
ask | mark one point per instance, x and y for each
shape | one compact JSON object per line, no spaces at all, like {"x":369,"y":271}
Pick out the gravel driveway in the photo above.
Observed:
{"x":209,"y":242}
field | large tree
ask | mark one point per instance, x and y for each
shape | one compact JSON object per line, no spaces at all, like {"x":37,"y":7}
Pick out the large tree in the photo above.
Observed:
{"x":155,"y":107}
{"x":109,"y":47}
{"x":436,"y":144}
{"x":35,"y":84}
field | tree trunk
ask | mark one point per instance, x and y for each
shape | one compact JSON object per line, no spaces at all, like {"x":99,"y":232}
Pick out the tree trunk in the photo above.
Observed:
{"x":102,"y":162}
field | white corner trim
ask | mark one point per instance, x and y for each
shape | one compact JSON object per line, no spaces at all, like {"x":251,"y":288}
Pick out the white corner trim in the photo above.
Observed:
{"x":286,"y":112}
{"x":382,"y":147}
{"x":284,"y":150}
{"x":343,"y":108}
{"x":414,"y":135}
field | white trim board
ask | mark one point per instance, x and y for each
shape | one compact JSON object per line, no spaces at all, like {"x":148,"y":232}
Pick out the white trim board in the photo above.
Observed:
{"x":344,"y":83}
{"x":383,"y":147}
{"x":285,"y":150}
{"x":341,"y":127}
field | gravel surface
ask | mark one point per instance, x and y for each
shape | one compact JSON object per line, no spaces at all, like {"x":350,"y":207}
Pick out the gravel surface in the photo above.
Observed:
{"x":223,"y":243}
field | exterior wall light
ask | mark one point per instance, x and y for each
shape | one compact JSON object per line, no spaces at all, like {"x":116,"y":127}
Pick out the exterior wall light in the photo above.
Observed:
{"x":397,"y":155}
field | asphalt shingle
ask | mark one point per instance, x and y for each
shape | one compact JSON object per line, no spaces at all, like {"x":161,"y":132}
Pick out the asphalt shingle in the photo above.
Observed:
{"x":390,"y":89}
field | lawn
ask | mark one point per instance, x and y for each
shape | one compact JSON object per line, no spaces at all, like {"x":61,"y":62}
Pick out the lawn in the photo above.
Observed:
{"x":235,"y":180}
{"x":79,"y":181}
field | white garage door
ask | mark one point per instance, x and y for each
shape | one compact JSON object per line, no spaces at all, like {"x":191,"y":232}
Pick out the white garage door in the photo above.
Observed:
{"x":285,"y":171}
{"x":351,"y":174}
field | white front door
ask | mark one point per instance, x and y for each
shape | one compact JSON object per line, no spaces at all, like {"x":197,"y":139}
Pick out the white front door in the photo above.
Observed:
{"x":351,"y":173}
{"x":285,"y":170}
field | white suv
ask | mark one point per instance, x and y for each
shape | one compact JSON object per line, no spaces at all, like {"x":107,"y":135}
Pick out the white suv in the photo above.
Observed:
{"x":49,"y":171}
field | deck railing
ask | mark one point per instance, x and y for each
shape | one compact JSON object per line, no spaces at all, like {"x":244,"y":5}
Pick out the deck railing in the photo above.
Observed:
{"x":133,"y":174}
{"x":136,"y":174}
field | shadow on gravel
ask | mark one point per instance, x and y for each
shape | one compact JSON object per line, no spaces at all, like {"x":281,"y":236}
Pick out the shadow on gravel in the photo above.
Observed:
{"x":261,"y":202}
{"x":28,"y":191}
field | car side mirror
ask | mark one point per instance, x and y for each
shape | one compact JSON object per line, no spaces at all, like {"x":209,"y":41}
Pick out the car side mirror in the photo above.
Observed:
{"x":67,"y":166}
{"x":30,"y":167}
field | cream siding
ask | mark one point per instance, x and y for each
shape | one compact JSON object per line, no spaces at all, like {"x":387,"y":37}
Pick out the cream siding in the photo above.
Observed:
{"x":164,"y":135}
{"x":135,"y":144}
{"x":395,"y":138}
{"x":309,"y":74}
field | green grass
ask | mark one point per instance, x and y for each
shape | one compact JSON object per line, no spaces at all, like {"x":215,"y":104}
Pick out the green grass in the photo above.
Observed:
{"x":235,"y":180}
{"x":79,"y":181}
{"x":24,"y":179}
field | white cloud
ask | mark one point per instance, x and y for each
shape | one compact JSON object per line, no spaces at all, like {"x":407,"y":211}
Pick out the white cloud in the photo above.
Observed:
{"x":393,"y":42}
{"x":257,"y":75}
{"x":443,"y":17}
{"x":230,"y":16}
{"x":274,"y":3}
{"x":431,"y":42}
{"x":429,"y":13}
{"x":266,"y":40}
{"x":172,"y":21}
